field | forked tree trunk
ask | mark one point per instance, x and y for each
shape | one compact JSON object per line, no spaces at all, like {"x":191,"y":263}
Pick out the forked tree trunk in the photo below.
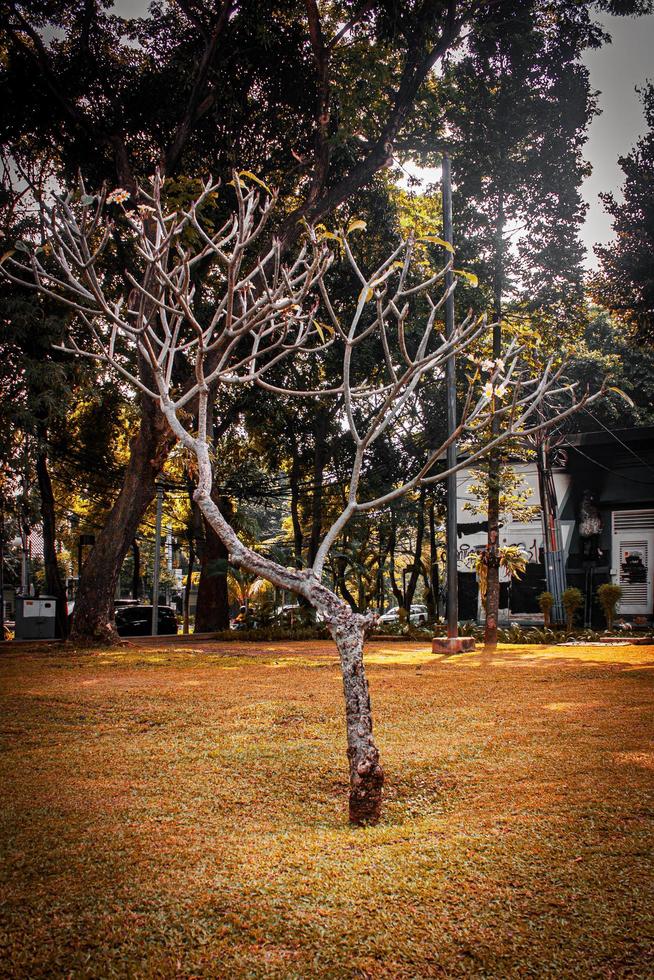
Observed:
{"x":348,"y":631}
{"x":366,"y":773}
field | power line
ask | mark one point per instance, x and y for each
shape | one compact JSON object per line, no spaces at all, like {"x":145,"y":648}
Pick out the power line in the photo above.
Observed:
{"x":618,"y":440}
{"x":631,"y":479}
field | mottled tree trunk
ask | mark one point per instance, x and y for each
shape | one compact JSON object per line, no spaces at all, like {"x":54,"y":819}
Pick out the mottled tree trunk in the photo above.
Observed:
{"x":348,"y":631}
{"x":366,"y":773}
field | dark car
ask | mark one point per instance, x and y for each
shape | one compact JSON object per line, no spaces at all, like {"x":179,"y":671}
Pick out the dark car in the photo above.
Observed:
{"x":137,"y":621}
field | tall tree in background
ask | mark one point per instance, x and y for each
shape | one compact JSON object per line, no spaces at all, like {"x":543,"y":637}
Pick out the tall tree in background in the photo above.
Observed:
{"x":519,"y":106}
{"x":625,"y":282}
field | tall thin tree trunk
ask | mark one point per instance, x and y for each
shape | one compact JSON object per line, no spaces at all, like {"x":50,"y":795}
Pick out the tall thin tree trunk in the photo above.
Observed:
{"x":433,"y":560}
{"x":417,"y":555}
{"x":189,"y":583}
{"x":321,"y":455}
{"x":397,"y":592}
{"x":294,"y":479}
{"x":492,"y":556}
{"x":54,"y":583}
{"x":340,"y":565}
{"x":136,"y":573}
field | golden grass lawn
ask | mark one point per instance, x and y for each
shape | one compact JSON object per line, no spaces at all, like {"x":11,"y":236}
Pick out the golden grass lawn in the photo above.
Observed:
{"x":180,"y":812}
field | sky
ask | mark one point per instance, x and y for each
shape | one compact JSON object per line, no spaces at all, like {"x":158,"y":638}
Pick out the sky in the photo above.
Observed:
{"x":616,"y":70}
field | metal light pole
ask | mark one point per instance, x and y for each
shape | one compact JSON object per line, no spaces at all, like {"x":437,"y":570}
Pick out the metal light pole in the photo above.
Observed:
{"x":157,"y":564}
{"x":450,"y":382}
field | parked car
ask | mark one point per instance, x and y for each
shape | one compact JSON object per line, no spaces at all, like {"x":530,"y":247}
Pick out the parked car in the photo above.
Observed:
{"x":417,"y":617}
{"x":118,"y":604}
{"x":137,"y":621}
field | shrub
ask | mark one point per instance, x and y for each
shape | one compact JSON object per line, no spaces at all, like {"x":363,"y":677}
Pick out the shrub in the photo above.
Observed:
{"x":573,"y":600}
{"x":608,"y":596}
{"x":545,"y":604}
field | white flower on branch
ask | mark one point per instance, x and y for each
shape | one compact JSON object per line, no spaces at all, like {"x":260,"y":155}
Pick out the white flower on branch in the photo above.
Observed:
{"x":118,"y":196}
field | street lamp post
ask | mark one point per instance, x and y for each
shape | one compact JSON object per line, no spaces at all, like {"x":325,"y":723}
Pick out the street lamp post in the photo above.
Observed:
{"x":450,"y":382}
{"x":453,"y":644}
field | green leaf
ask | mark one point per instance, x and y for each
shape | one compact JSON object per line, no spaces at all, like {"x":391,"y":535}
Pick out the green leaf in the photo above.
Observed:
{"x":87,"y":198}
{"x":22,"y":246}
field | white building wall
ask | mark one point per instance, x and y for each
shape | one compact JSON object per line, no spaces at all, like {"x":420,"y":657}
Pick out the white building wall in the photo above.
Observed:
{"x":528,"y":537}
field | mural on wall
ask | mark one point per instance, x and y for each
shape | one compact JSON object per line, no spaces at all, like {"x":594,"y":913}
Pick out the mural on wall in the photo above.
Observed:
{"x":634,"y":566}
{"x":590,"y":526}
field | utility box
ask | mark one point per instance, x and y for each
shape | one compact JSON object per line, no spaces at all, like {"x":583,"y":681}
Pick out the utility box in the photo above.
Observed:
{"x":35,"y":618}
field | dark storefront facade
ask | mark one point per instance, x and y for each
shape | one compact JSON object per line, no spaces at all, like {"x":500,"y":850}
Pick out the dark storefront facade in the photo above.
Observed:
{"x":605,"y":490}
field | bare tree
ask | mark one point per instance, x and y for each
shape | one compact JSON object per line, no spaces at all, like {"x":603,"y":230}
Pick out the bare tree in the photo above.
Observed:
{"x":263,"y":313}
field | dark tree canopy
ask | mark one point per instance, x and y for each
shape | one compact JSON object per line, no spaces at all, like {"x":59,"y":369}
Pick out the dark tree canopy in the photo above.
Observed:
{"x":625,"y":282}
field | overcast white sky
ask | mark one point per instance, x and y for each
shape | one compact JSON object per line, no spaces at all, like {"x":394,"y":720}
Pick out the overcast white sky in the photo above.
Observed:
{"x":615,"y":71}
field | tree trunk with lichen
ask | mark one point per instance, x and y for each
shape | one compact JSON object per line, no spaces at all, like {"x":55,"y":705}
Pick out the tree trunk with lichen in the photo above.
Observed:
{"x":366,"y":773}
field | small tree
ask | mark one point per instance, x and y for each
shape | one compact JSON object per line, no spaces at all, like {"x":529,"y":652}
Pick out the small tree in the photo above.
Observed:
{"x":263,"y":312}
{"x":546,"y":604}
{"x":608,"y":596}
{"x":573,"y":600}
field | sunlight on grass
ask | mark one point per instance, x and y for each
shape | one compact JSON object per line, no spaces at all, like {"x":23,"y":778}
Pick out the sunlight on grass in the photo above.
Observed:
{"x":180,"y":813}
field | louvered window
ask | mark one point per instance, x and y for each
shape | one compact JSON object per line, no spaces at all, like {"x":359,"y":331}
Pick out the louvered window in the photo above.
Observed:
{"x":633,"y":547}
{"x":629,"y":520}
